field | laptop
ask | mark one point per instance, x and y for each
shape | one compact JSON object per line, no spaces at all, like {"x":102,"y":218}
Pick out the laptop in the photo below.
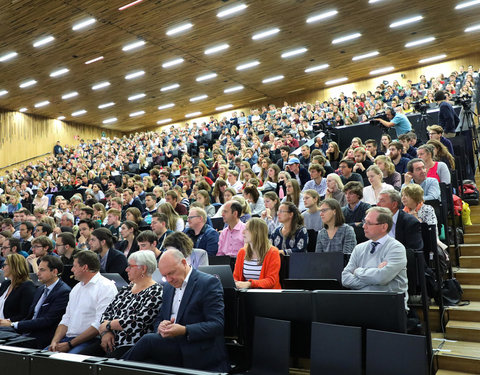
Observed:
{"x":117,"y":279}
{"x":217,"y":223}
{"x":221,"y":272}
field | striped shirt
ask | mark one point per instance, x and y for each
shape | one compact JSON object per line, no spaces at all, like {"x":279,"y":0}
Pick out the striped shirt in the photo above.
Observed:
{"x":251,"y":269}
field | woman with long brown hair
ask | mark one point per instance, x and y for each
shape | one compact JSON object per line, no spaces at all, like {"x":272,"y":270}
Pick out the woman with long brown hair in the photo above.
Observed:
{"x":291,"y":235}
{"x":258,"y":263}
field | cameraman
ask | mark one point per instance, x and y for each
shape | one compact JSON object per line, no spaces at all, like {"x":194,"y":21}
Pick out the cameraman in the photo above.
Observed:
{"x":397,"y":119}
{"x":447,"y":118}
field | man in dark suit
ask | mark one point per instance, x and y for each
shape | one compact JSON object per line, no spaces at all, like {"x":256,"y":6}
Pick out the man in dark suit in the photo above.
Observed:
{"x":111,"y":260}
{"x":189,"y":326}
{"x":48,"y":306}
{"x":129,"y":200}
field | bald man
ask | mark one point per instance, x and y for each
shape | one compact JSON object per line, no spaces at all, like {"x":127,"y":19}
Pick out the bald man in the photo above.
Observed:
{"x":189,"y":326}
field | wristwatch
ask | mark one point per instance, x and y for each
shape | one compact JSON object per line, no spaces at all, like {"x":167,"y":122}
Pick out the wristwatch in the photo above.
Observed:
{"x":109,"y":326}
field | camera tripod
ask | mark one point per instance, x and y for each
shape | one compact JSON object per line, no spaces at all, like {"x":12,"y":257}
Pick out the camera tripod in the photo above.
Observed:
{"x":468,"y":119}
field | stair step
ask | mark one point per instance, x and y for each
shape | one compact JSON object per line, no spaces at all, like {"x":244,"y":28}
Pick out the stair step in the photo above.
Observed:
{"x":470,"y":312}
{"x":463,"y":330}
{"x":469,"y":276}
{"x":471,"y":238}
{"x":457,"y":357}
{"x":470,"y":261}
{"x":471,"y":292}
{"x":470,"y":249}
{"x":475,"y":228}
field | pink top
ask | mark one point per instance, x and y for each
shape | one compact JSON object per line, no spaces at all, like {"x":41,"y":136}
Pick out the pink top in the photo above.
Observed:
{"x":231,"y":240}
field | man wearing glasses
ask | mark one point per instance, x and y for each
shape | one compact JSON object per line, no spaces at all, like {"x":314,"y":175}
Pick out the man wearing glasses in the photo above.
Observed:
{"x":203,"y":235}
{"x":379,"y":264}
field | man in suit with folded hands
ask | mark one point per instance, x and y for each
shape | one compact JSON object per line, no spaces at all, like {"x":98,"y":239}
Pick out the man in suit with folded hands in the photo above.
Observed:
{"x":379,"y":264}
{"x":48,"y":306}
{"x":189,"y":326}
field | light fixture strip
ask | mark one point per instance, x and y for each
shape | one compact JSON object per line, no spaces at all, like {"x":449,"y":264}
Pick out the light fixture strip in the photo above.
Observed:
{"x":106,"y":105}
{"x":365,"y":55}
{"x":273,"y":79}
{"x":294,"y":52}
{"x":59,"y":72}
{"x":382,"y":70}
{"x":164,"y":121}
{"x":433,"y":58}
{"x":82,"y":24}
{"x":137,"y":96}
{"x":135,"y":74}
{"x":197,"y":98}
{"x":130,"y":5}
{"x":130,"y":46}
{"x":265,"y":33}
{"x":336,"y":80}
{"x":166,"y":106}
{"x":317,"y":67}
{"x":248,"y":65}
{"x":94,"y":60}
{"x":69,"y":95}
{"x":322,"y":16}
{"x":100,"y":85}
{"x":346,"y":38}
{"x":406,"y":21}
{"x":220,"y":47}
{"x":170,"y":87}
{"x":206,"y":77}
{"x":172,"y":62}
{"x":467,"y":4}
{"x":231,"y":10}
{"x":419,"y":42}
{"x":233,"y":89}
{"x":193,"y":114}
{"x":8,"y":56}
{"x":180,"y":28}
{"x":43,"y":41}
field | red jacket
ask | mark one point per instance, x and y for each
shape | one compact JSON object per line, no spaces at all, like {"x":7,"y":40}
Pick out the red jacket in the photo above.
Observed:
{"x":269,"y":275}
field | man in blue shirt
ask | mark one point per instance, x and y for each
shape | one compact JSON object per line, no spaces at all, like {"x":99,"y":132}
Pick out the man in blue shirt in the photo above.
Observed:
{"x":397,"y":119}
{"x":417,"y":174}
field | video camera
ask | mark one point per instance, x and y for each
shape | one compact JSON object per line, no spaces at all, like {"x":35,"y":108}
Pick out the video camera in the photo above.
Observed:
{"x":420,"y":106}
{"x":465,"y":100}
{"x":374,"y":121}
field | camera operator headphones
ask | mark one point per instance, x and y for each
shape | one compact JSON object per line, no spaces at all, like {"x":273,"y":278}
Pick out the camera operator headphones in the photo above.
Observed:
{"x":392,"y":111}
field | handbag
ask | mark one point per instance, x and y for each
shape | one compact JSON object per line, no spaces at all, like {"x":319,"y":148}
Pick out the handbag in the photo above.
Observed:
{"x":452,"y":293}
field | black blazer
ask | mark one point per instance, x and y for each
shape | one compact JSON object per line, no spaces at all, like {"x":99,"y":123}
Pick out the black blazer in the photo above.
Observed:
{"x":44,"y":325}
{"x":116,"y":263}
{"x":202,"y":311}
{"x":122,"y":245}
{"x":18,"y":302}
{"x":408,"y":231}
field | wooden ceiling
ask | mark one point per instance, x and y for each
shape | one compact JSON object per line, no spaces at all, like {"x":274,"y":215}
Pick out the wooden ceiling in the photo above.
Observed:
{"x":23,"y":22}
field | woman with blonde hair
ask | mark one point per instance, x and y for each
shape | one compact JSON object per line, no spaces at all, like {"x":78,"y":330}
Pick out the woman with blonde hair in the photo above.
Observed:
{"x":375,"y":177}
{"x":148,"y":183}
{"x":16,"y":293}
{"x":258,"y":263}
{"x":335,"y":189}
{"x":175,"y":222}
{"x":390,"y":175}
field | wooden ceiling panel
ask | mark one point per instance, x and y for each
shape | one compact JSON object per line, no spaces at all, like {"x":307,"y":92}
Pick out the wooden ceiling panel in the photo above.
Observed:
{"x":23,"y":22}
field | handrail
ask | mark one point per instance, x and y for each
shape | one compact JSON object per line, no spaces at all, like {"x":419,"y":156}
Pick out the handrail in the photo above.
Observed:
{"x":23,"y":161}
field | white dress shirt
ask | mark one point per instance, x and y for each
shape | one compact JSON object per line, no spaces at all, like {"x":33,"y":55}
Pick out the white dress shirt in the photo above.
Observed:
{"x":177,"y":298}
{"x":87,"y":303}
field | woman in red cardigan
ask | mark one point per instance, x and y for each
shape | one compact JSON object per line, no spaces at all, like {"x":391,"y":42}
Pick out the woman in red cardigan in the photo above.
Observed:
{"x":258,"y":263}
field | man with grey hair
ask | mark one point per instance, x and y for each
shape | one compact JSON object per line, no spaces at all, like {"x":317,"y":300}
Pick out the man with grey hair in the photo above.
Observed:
{"x":379,"y":264}
{"x":203,"y":235}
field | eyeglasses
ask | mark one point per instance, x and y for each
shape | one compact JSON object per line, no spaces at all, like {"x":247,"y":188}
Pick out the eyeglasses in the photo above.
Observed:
{"x":191,"y":217}
{"x":283,"y":211}
{"x":364,"y":222}
{"x":132,"y":266}
{"x":6,"y":247}
{"x":37,"y":247}
{"x":323,"y":210}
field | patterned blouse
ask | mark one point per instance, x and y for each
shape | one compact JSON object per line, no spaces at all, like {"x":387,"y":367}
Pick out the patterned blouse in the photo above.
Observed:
{"x":135,"y":312}
{"x":297,"y":243}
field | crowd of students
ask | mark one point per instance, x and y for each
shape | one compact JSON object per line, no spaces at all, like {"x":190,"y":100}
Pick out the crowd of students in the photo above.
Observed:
{"x":159,"y":191}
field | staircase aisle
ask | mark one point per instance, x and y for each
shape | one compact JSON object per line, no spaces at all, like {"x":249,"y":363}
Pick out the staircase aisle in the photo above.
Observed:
{"x":460,"y":352}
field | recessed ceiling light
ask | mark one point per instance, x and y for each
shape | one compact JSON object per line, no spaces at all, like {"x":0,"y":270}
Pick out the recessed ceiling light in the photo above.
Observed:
{"x":170,"y":87}
{"x":100,"y":85}
{"x":59,"y":72}
{"x":28,"y":83}
{"x":374,"y":1}
{"x":83,"y":24}
{"x":226,"y":106}
{"x":273,"y":79}
{"x":109,"y":120}
{"x":42,"y":104}
{"x":79,"y":113}
{"x":8,"y":56}
{"x":248,"y":65}
{"x":433,"y":58}
{"x":94,"y":60}
{"x":467,"y":4}
{"x":3,"y":92}
{"x":137,"y":96}
{"x":133,"y":45}
{"x":180,"y":28}
{"x":231,"y":10}
{"x":23,"y":109}
{"x":233,"y":89}
{"x":130,"y":5}
{"x":419,"y":42}
{"x":43,"y":41}
{"x":61,"y":118}
{"x":165,"y":106}
{"x":258,"y":99}
{"x":193,"y":114}
{"x":206,"y":77}
{"x":136,"y":74}
{"x":265,"y":33}
{"x":336,"y":80}
{"x":138,"y":113}
{"x":406,"y":21}
{"x":294,"y":52}
{"x":315,"y":68}
{"x":382,"y":70}
{"x":472,"y":28}
{"x":172,"y":62}
{"x":69,"y":95}
{"x":346,"y":38}
{"x":164,"y":121}
{"x":106,"y":105}
{"x":321,"y":16}
{"x":216,"y":49}
{"x":365,"y":55}
{"x":197,"y":98}
{"x":296,"y":90}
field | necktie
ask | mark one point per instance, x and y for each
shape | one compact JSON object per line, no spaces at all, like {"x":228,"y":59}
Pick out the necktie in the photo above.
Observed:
{"x":40,"y":302}
{"x":374,"y":246}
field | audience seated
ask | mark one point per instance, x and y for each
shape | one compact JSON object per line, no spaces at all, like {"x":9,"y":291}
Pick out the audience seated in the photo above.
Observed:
{"x":436,"y":169}
{"x":375,"y":178}
{"x":181,"y":242}
{"x":355,"y":210}
{"x":203,"y":235}
{"x":290,"y":236}
{"x":258,"y":263}
{"x":417,"y":174}
{"x":335,"y":188}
